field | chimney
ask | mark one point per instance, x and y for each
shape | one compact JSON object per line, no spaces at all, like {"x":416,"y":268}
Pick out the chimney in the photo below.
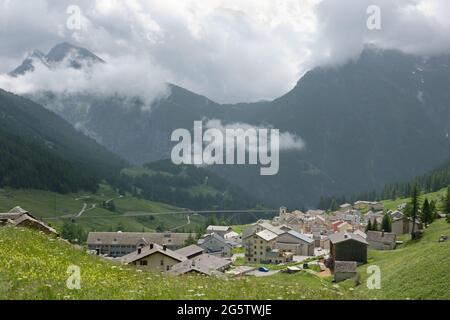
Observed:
{"x":164,"y":247}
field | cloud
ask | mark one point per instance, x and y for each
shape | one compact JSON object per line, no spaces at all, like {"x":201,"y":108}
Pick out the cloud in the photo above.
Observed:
{"x":228,"y":50}
{"x":288,"y":141}
{"x":120,"y":76}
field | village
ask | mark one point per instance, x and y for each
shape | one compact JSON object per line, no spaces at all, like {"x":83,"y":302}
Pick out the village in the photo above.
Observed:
{"x":323,"y":243}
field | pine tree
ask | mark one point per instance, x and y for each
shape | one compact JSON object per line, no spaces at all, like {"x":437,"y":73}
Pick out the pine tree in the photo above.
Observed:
{"x":386,"y":223}
{"x":446,"y":206}
{"x":375,"y":225}
{"x":426,"y":215}
{"x":333,"y":205}
{"x":413,"y":211}
{"x":369,"y":226}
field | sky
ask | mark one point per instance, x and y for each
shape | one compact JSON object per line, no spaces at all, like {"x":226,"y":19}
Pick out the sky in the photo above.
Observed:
{"x":228,"y":50}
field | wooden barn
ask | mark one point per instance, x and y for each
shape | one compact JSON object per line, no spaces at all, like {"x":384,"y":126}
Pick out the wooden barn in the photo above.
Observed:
{"x":346,"y":246}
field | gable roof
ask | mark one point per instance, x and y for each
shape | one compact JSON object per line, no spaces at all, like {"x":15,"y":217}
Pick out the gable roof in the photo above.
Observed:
{"x":132,"y":238}
{"x":148,"y":251}
{"x":190,"y":250}
{"x":205,"y":263}
{"x":360,"y":233}
{"x":336,"y":238}
{"x":300,"y":236}
{"x":17,"y":216}
{"x":219,"y":228}
{"x":15,"y":213}
{"x":215,"y":236}
{"x":271,"y":228}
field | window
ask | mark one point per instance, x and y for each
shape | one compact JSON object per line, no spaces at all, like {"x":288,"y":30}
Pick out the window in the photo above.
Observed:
{"x":168,"y":268}
{"x":162,"y":262}
{"x":143,"y":262}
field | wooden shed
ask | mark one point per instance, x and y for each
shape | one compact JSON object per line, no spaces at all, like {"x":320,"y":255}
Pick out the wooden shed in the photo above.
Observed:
{"x":346,"y":246}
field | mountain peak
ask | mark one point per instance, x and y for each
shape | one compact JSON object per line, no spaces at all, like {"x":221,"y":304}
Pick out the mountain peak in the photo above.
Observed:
{"x":75,"y":57}
{"x":75,"y":54}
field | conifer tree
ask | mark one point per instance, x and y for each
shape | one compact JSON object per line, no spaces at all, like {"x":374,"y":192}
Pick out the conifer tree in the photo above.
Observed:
{"x":386,"y":223}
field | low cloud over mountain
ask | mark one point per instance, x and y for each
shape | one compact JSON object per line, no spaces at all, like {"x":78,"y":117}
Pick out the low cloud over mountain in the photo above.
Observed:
{"x":228,"y":50}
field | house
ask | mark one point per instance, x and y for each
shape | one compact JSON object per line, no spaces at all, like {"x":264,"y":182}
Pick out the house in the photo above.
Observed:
{"x":215,"y":244}
{"x":372,"y":216}
{"x":261,"y":247}
{"x":259,"y":226}
{"x":344,"y":270}
{"x":396,"y":214}
{"x":345,"y":207}
{"x":345,"y":246}
{"x":341,"y":226}
{"x":220,"y":230}
{"x":381,"y":240}
{"x":118,"y":244}
{"x":203,"y":264}
{"x":232,"y":236}
{"x":191,"y":251}
{"x":369,"y":205}
{"x":295,"y":242}
{"x":19,"y":217}
{"x":360,"y":233}
{"x":404,"y":225}
{"x":324,"y":242}
{"x":153,"y":258}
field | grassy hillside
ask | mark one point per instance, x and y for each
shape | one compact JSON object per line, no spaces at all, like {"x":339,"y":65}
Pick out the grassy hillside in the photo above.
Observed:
{"x":392,"y":204}
{"x":35,"y":267}
{"x":186,"y":186}
{"x":415,"y":270}
{"x":47,"y":205}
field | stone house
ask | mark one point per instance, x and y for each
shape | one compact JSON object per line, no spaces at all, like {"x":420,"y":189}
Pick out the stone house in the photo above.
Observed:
{"x":381,"y":240}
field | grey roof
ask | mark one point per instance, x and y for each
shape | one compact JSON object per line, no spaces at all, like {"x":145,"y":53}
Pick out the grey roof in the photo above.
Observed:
{"x":132,"y":238}
{"x":190,"y":250}
{"x":345,"y":266}
{"x":206,"y":237}
{"x":345,"y":236}
{"x":218,"y":228}
{"x":360,"y":233}
{"x":300,"y":236}
{"x":267,"y":235}
{"x":17,"y":215}
{"x":10,"y":216}
{"x":205,"y":263}
{"x":148,"y":250}
{"x":14,"y":213}
{"x":271,"y":228}
{"x":378,"y":236}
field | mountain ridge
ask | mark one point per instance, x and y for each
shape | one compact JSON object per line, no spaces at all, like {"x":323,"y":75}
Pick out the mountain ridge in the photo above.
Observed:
{"x":361,"y":121}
